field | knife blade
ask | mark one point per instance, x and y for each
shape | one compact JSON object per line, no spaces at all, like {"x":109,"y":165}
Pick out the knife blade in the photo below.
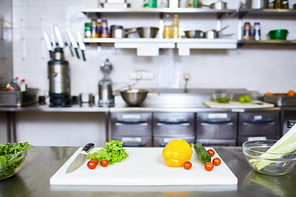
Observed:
{"x":59,"y":37}
{"x":73,"y":43}
{"x":48,"y":44}
{"x":80,"y":159}
{"x":81,"y":45}
{"x":69,"y":43}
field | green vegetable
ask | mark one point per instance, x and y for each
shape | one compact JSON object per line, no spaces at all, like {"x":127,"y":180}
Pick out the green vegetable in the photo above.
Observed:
{"x":244,"y":99}
{"x":202,"y":153}
{"x":284,"y":145}
{"x":112,"y":151}
{"x":9,"y":157}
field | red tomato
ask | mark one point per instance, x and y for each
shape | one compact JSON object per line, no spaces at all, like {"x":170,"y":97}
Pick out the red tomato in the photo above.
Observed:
{"x":291,"y":93}
{"x":211,"y":152}
{"x":91,"y":165}
{"x":95,"y":160}
{"x":216,"y":161}
{"x":268,"y":93}
{"x":209,"y":166}
{"x":187,"y":165}
{"x":104,"y":162}
{"x":281,"y":95}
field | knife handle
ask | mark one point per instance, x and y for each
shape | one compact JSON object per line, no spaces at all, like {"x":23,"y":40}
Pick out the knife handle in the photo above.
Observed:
{"x":83,"y":55}
{"x":76,"y":50}
{"x":87,"y":147}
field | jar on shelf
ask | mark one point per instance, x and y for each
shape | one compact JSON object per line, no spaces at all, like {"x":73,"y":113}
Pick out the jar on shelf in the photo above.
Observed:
{"x":87,"y":30}
{"x":175,"y":27}
{"x":247,"y":31}
{"x":285,"y":4}
{"x":104,"y":29}
{"x":278,"y":4}
{"x":167,"y":27}
{"x":94,"y":28}
{"x":257,"y":31}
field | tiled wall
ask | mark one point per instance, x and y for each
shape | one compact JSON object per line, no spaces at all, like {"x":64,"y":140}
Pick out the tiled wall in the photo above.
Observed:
{"x":6,"y":69}
{"x":262,"y":68}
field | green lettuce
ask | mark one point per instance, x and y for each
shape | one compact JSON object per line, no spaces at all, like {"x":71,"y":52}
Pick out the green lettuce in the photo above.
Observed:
{"x":112,"y":151}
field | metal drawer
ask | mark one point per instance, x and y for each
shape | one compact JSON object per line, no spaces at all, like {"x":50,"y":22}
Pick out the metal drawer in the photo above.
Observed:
{"x":131,"y":124}
{"x":134,"y":141}
{"x":173,"y":124}
{"x":258,"y":123}
{"x":241,"y":140}
{"x":216,"y":125}
{"x":162,"y":141}
{"x":216,"y":142}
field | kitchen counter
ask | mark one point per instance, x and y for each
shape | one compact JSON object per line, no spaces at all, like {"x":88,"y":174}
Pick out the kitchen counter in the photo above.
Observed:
{"x":42,"y":162}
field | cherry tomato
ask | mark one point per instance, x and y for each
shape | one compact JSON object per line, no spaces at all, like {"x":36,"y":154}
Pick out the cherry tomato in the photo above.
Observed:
{"x":104,"y":162}
{"x":187,"y":165}
{"x":211,"y":152}
{"x":216,"y":161}
{"x":281,"y":95}
{"x":209,"y":166}
{"x":95,"y":160}
{"x":268,"y":93}
{"x":91,"y":165}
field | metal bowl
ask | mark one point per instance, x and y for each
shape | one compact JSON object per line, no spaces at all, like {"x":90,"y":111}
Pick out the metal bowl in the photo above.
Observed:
{"x":147,"y":32}
{"x":134,"y":97}
{"x":194,"y":34}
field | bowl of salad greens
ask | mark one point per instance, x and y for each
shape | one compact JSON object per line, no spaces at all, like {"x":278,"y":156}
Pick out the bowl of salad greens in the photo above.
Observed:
{"x":12,"y":157}
{"x":222,"y":97}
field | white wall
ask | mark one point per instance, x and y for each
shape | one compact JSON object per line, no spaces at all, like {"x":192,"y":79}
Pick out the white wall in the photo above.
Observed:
{"x":262,"y":68}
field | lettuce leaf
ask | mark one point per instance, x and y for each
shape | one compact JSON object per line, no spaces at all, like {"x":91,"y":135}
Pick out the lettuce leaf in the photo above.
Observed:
{"x":112,"y":151}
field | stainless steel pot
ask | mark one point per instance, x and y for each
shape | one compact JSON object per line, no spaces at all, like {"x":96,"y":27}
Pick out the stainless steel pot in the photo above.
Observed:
{"x":213,"y":33}
{"x":117,"y":31}
{"x":194,"y":34}
{"x":219,"y":5}
{"x":257,"y":4}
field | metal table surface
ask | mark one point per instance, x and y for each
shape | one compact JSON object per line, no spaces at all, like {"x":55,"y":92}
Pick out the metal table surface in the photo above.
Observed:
{"x":42,"y":162}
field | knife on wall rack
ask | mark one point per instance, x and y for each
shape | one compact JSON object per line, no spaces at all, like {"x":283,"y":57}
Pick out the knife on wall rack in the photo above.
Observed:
{"x":73,"y":43}
{"x":81,"y":45}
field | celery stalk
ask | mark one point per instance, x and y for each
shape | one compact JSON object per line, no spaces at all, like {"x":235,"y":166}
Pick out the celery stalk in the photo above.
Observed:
{"x":285,"y":144}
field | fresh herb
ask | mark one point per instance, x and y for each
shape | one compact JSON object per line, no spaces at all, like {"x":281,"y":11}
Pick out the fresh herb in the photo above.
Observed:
{"x":112,"y":151}
{"x":11,"y":157}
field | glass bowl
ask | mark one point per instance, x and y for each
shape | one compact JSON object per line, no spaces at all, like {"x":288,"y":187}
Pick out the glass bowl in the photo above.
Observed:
{"x":268,"y":163}
{"x":222,"y":97}
{"x":11,"y":164}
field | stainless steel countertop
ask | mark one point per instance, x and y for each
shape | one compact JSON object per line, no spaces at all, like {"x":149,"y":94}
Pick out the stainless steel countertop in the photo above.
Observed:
{"x":42,"y":162}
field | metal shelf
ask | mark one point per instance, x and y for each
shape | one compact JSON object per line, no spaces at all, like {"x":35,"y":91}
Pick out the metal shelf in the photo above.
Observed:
{"x":275,"y":12}
{"x":266,"y":42}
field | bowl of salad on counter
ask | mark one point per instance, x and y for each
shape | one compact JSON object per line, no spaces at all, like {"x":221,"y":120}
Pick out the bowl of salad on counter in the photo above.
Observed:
{"x":12,"y":157}
{"x":222,"y":97}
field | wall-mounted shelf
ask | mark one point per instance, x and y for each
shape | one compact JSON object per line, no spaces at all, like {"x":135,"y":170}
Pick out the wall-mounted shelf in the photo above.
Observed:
{"x":270,"y":12}
{"x":266,"y":42}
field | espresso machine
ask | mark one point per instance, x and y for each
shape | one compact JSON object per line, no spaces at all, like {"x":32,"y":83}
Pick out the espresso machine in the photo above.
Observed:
{"x":59,"y":79}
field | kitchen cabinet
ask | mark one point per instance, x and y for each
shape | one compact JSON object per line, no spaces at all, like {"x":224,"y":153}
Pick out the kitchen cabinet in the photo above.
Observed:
{"x":258,"y":125}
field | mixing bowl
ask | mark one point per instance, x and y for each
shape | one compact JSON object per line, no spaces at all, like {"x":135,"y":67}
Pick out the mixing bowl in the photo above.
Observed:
{"x":278,"y":34}
{"x":268,"y":163}
{"x":222,"y":97}
{"x":10,"y":166}
{"x":134,"y":97}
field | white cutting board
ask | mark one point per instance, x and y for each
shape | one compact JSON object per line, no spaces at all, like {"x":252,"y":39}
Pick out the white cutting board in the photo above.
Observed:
{"x":144,"y":166}
{"x":235,"y":104}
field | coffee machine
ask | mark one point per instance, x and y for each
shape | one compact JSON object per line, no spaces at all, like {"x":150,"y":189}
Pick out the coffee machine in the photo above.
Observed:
{"x":59,"y":79}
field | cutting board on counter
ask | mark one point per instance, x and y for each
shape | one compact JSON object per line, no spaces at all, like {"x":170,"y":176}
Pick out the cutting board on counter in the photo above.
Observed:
{"x":144,"y":166}
{"x":235,"y":104}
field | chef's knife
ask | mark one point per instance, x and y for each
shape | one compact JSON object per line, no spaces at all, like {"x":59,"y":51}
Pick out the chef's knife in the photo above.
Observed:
{"x":73,"y":43}
{"x":81,"y":45}
{"x":59,"y":37}
{"x":80,"y":159}
{"x":69,"y":43}
{"x":48,"y":44}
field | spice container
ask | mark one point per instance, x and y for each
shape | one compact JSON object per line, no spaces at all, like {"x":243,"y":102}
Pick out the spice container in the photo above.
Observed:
{"x":278,"y":4}
{"x":285,"y":4}
{"x":247,"y":31}
{"x":94,"y":28}
{"x":104,"y":29}
{"x":87,"y":30}
{"x":257,"y":31}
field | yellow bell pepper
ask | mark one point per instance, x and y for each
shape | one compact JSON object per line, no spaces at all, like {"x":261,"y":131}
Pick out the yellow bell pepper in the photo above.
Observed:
{"x":176,"y":152}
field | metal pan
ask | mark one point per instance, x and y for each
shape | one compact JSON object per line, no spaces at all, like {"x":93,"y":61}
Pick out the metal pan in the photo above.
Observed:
{"x":194,"y":34}
{"x":213,"y":33}
{"x":219,"y":5}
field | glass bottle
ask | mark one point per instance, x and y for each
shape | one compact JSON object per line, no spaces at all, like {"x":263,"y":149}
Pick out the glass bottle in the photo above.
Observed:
{"x":247,"y":31}
{"x":167,"y":27}
{"x":87,"y":30}
{"x":175,"y":27}
{"x":94,"y":28}
{"x":104,"y":29}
